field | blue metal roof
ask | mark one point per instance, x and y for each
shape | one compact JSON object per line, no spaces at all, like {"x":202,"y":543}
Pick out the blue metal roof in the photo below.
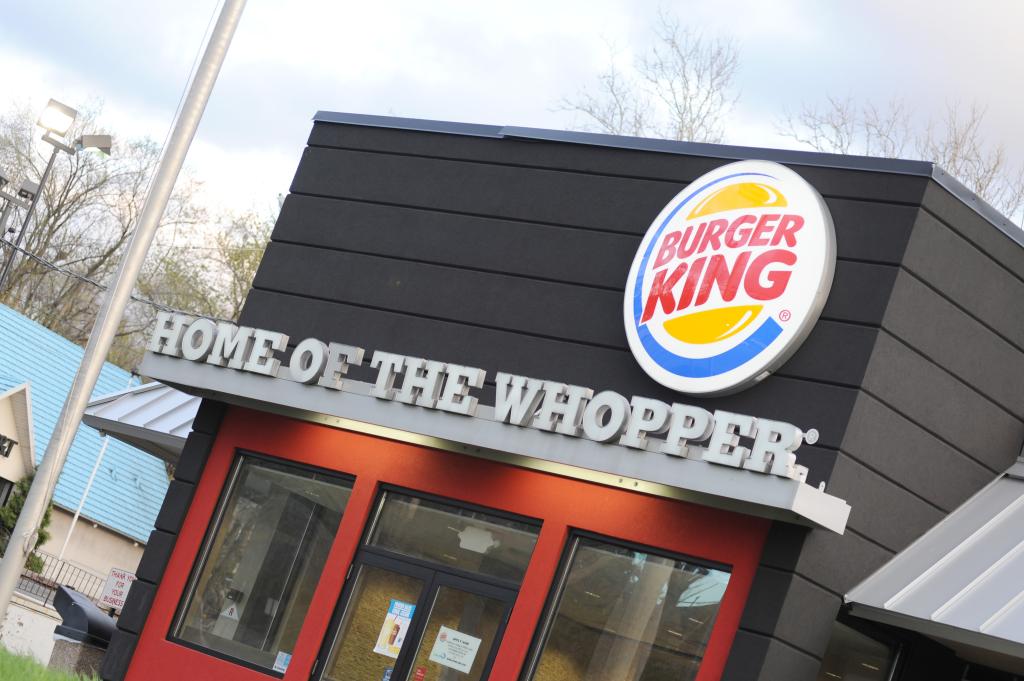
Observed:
{"x":130,"y":485}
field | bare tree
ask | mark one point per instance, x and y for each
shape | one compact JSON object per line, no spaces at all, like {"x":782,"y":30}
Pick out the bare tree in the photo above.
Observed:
{"x":680,"y":89}
{"x":86,"y":215}
{"x":956,"y":143}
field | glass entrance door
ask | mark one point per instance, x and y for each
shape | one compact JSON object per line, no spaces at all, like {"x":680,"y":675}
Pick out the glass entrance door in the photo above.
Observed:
{"x":429,"y":593}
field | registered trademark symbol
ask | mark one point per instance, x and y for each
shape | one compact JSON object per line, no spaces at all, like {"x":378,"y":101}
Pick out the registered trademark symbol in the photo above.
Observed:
{"x":785,"y":315}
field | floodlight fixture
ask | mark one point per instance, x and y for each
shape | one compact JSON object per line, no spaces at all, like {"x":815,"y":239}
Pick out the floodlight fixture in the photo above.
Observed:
{"x":102,"y":143}
{"x":57,"y":118}
{"x":28,"y":190}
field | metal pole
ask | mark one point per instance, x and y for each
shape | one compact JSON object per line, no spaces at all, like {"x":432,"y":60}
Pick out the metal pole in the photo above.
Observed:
{"x":117,"y":295}
{"x":85,"y":495}
{"x":28,"y":216}
{"x":8,"y":207}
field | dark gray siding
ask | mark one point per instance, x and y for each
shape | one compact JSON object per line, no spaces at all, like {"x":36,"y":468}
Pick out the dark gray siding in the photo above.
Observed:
{"x":511,"y":254}
{"x":161,"y":541}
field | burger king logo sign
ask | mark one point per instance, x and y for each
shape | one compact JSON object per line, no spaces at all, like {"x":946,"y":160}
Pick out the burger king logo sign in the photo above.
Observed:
{"x":729,"y":278}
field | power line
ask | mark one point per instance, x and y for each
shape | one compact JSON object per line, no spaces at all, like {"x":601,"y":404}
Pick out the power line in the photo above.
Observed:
{"x":92,"y":282}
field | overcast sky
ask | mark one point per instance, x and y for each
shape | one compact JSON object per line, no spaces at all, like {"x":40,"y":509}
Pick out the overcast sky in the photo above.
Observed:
{"x":500,"y":63}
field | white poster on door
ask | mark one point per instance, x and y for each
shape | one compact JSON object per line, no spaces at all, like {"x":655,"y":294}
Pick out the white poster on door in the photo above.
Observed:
{"x":454,"y":649}
{"x":396,"y":624}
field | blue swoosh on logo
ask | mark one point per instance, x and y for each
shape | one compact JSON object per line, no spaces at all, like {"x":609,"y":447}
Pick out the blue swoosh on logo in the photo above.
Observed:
{"x":693,"y":367}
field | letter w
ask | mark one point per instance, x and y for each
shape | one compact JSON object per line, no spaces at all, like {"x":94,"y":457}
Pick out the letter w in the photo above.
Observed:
{"x":517,"y":398}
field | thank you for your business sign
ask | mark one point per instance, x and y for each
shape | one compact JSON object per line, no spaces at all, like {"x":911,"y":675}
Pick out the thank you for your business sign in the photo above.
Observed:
{"x":640,"y":423}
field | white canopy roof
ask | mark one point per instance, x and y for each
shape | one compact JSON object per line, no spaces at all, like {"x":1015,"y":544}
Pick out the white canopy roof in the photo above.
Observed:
{"x":153,"y":417}
{"x":962,"y":583}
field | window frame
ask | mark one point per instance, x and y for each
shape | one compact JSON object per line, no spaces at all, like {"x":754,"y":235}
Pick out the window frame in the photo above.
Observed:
{"x":378,"y":506}
{"x":240,"y":456}
{"x":561,"y":577}
{"x":433,"y":574}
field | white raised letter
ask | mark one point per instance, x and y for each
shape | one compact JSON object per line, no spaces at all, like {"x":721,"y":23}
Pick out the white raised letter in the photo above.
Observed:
{"x":198,"y":339}
{"x":261,"y":354}
{"x":686,"y":423}
{"x":517,"y":398}
{"x":722,"y":448}
{"x":339,"y":357}
{"x":166,"y":338}
{"x":773,"y":448}
{"x":562,"y":408}
{"x":231,"y":345}
{"x":455,"y":396}
{"x":307,"y":362}
{"x":605,"y":417}
{"x":421,"y":382}
{"x":390,"y":365}
{"x":646,"y":416}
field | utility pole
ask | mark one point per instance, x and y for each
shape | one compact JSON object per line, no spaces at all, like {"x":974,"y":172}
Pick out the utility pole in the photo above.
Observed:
{"x":23,"y":537}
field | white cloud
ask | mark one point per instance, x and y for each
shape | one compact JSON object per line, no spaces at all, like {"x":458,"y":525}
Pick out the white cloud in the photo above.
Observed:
{"x":506,"y":63}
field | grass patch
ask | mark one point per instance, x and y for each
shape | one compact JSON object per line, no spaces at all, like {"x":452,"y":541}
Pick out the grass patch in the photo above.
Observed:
{"x":27,"y":669}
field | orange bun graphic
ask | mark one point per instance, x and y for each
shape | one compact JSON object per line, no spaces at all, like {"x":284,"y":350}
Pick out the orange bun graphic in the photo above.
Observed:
{"x":739,"y":195}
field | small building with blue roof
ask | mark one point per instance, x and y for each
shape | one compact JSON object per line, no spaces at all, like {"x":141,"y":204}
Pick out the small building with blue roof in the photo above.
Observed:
{"x":37,"y":367}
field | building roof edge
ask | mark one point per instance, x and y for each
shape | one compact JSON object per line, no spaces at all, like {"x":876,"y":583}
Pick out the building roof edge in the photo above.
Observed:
{"x":786,"y":156}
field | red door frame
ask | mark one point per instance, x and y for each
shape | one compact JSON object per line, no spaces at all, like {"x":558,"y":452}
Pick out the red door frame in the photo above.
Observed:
{"x":561,"y":503}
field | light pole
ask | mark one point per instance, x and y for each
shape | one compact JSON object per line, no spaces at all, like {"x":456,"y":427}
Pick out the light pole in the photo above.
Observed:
{"x":12,"y":201}
{"x":116,"y":297}
{"x":56,"y":119}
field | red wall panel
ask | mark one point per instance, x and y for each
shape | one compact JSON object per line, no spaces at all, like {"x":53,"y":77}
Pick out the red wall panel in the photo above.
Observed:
{"x":561,"y":503}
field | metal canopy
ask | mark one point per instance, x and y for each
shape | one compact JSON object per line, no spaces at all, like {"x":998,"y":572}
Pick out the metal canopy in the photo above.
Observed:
{"x":961,"y":582}
{"x":154,"y":417}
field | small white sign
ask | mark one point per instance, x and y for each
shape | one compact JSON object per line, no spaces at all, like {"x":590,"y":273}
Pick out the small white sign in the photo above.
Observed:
{"x":282,"y":661}
{"x":454,"y":649}
{"x":230,"y":613}
{"x":115,"y":591}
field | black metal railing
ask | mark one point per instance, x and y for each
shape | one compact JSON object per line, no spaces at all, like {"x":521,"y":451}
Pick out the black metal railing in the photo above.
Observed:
{"x":40,"y":580}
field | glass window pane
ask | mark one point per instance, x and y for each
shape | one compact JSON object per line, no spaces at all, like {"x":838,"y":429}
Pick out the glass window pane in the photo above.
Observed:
{"x":458,"y":636}
{"x":625,"y":615}
{"x":852,"y":656}
{"x":454,"y":537}
{"x":264,"y":561}
{"x":374,"y":626}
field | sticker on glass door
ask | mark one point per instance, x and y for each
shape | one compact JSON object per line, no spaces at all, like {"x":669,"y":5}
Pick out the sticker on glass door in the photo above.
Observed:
{"x":396,"y":625}
{"x":454,"y":649}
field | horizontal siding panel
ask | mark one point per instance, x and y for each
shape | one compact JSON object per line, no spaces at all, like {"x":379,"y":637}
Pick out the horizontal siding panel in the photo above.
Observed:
{"x":905,"y":453}
{"x":678,"y":168}
{"x":957,"y":342}
{"x":805,"y":403}
{"x":867,"y":493}
{"x":940,"y":403}
{"x":867,"y":232}
{"x":564,"y":311}
{"x":967,"y":276}
{"x":599,"y":202}
{"x":974,"y":228}
{"x":521,"y":248}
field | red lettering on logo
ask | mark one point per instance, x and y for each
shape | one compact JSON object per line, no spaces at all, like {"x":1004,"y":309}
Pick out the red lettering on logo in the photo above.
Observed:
{"x":687,"y":247}
{"x":777,"y":279}
{"x":718,"y":273}
{"x":764,"y":226}
{"x":661,"y":292}
{"x":716,"y":228}
{"x":787,"y":230}
{"x":668,"y":249}
{"x":735,"y":237}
